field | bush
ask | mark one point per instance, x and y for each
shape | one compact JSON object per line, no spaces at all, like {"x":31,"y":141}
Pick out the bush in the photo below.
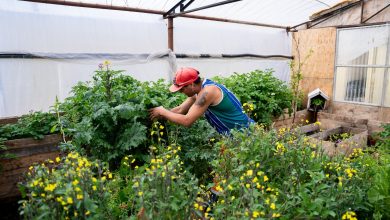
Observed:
{"x":34,"y":125}
{"x":161,"y":189}
{"x":69,"y":188}
{"x":259,"y":168}
{"x":268,"y":95}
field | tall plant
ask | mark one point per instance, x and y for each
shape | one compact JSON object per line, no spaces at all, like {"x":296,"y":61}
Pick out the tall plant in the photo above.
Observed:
{"x":296,"y":66}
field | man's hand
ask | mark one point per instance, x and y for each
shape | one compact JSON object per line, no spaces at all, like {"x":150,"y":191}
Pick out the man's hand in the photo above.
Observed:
{"x":155,"y":113}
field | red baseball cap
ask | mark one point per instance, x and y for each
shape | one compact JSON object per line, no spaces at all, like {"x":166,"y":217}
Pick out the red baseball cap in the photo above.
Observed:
{"x":184,"y":76}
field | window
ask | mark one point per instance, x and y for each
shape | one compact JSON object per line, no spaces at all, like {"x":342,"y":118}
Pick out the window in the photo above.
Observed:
{"x":362,"y":73}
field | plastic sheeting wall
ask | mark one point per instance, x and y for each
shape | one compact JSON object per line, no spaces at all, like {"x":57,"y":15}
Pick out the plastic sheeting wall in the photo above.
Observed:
{"x":33,"y":84}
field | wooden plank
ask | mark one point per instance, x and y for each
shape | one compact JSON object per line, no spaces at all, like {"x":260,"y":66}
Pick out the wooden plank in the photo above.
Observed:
{"x":9,"y":120}
{"x":15,"y":169}
{"x":28,"y":151}
{"x":30,"y":146}
{"x":26,"y":161}
{"x":318,"y":69}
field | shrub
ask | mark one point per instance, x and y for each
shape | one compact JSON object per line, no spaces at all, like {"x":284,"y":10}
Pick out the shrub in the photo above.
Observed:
{"x":69,"y":188}
{"x":268,"y":95}
{"x":33,"y":125}
{"x":161,"y":189}
{"x":302,"y":181}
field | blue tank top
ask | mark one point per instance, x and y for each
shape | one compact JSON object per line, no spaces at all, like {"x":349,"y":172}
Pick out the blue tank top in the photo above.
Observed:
{"x":228,"y":114}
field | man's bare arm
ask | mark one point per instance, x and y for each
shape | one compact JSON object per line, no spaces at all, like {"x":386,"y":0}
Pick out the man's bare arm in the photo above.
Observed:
{"x":185,"y":106}
{"x":204,"y":99}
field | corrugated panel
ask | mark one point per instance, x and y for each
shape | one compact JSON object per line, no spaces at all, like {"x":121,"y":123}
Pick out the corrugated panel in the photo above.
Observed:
{"x":279,"y":12}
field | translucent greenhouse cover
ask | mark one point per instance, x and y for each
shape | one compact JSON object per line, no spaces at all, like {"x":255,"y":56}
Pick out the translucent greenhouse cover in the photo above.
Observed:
{"x":62,"y":45}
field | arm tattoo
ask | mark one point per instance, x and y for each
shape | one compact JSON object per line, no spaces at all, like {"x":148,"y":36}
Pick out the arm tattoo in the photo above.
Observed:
{"x":202,"y":99}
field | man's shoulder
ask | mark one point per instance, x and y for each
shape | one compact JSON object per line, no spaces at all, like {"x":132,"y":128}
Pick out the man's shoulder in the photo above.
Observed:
{"x":211,"y":88}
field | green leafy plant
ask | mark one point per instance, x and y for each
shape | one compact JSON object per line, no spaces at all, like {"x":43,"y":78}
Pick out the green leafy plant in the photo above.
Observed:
{"x":111,"y":114}
{"x":337,"y":138}
{"x":34,"y":125}
{"x":268,"y":95}
{"x":161,"y":189}
{"x":302,"y":182}
{"x":71,"y":187}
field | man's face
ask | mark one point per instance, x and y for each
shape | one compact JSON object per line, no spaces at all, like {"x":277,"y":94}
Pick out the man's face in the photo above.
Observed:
{"x":187,"y":90}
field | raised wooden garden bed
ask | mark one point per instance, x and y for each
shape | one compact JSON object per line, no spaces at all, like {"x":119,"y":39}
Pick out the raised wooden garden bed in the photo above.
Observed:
{"x":27,"y":151}
{"x":356,"y":138}
{"x":308,"y":129}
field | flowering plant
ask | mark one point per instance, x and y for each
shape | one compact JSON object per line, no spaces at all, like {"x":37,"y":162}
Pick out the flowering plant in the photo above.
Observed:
{"x":71,"y":187}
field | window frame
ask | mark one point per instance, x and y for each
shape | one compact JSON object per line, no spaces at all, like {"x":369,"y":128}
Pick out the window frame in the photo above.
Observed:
{"x":386,"y":67}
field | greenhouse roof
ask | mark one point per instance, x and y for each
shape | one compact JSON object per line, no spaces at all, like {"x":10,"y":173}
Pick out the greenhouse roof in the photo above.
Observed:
{"x":279,"y":13}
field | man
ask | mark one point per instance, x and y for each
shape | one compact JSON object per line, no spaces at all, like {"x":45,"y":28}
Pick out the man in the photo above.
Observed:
{"x":220,"y":107}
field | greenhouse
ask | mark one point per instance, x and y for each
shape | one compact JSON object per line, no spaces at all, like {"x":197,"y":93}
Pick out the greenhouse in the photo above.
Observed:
{"x":184,"y":109}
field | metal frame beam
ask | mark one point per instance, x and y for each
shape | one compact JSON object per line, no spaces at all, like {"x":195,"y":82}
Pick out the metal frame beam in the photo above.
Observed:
{"x":140,"y":10}
{"x":173,"y":15}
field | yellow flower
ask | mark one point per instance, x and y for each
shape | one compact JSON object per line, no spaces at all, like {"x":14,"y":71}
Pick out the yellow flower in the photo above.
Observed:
{"x":106,"y":63}
{"x":58,"y":159}
{"x":50,"y":187}
{"x":340,"y":180}
{"x":75,"y":182}
{"x":31,"y":167}
{"x":349,"y":215}
{"x":255,"y":214}
{"x":94,"y":179}
{"x":140,"y":193}
{"x":43,"y":194}
{"x":249,"y":172}
{"x":255,"y":180}
{"x":248,"y":185}
{"x":87,"y":212}
{"x":265,"y":178}
{"x":219,"y":188}
{"x":161,"y":127}
{"x":79,"y":196}
{"x":163,"y":174}
{"x":275,"y":215}
{"x":196,"y":206}
{"x":110,"y":175}
{"x":230,"y":187}
{"x":69,"y":200}
{"x":272,"y":206}
{"x":94,"y":188}
{"x":232,"y":198}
